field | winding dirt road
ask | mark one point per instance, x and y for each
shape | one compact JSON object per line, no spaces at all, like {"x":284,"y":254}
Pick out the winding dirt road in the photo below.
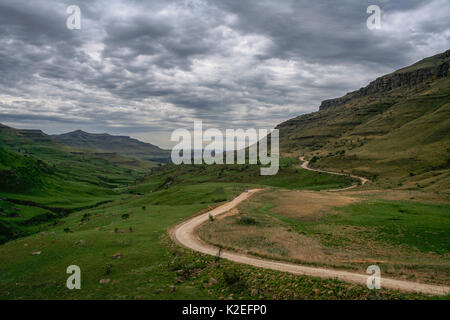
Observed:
{"x":362,"y":179}
{"x":184,"y":234}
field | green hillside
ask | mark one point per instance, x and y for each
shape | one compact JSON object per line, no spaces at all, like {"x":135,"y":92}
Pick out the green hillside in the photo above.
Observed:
{"x":19,"y":174}
{"x":113,"y":144}
{"x":289,"y":176}
{"x":42,"y":180}
{"x":396,"y":130}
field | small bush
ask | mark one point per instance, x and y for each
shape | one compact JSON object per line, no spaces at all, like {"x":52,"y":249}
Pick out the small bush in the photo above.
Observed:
{"x":108,"y":268}
{"x":231,"y":277}
{"x":234,"y":280}
{"x":246,"y":220}
{"x":125,"y":216}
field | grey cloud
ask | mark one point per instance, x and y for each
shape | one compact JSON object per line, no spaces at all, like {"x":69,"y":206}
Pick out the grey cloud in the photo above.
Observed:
{"x":231,"y":63}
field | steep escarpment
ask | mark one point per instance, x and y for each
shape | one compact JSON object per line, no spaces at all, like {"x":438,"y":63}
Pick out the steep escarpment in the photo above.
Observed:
{"x":424,"y":71}
{"x":395,"y":130}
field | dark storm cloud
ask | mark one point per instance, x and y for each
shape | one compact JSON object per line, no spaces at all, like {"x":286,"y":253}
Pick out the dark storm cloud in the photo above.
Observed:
{"x":152,"y":66}
{"x":323,"y":32}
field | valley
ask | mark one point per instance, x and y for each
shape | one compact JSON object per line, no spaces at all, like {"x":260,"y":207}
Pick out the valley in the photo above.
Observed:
{"x":362,"y":181}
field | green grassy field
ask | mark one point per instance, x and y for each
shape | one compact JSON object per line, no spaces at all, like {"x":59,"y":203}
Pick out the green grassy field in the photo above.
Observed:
{"x":418,"y":225}
{"x":408,"y":240}
{"x":151,"y":266}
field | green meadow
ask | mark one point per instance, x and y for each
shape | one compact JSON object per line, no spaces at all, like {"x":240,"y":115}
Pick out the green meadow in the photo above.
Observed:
{"x":406,"y":239}
{"x":125,"y":245}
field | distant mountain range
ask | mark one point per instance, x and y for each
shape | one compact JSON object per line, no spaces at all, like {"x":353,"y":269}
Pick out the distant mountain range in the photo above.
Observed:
{"x":396,"y":127}
{"x":93,"y":142}
{"x":123,"y":145}
{"x":32,"y":161}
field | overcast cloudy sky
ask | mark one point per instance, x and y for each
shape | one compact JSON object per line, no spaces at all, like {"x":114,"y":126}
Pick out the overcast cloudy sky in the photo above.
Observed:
{"x":144,"y":68}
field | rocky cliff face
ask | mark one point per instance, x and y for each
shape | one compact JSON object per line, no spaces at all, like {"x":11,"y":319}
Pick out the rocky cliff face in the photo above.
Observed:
{"x":401,"y":78}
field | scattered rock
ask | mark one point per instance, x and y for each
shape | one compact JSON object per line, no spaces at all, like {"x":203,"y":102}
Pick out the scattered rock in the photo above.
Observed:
{"x":25,"y":244}
{"x":172,"y":288}
{"x":150,"y":280}
{"x":212,"y":282}
{"x":254,"y":292}
{"x":158,"y":291}
{"x":52,"y":233}
{"x":80,"y":242}
{"x":180,"y":272}
{"x":178,"y":280}
{"x":105,"y":281}
{"x":118,"y":255}
{"x":137,"y":298}
{"x":36,"y":253}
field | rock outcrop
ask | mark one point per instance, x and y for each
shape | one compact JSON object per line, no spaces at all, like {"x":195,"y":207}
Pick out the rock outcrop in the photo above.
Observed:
{"x":402,"y":78}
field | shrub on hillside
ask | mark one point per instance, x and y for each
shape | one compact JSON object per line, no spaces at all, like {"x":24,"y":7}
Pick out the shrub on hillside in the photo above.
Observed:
{"x":246,"y":220}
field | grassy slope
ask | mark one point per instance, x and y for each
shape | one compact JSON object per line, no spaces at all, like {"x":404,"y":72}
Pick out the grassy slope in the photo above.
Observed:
{"x":45,"y":180}
{"x":289,"y":176}
{"x":393,"y":135}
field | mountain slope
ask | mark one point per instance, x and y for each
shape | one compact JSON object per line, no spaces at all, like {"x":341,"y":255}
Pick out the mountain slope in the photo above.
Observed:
{"x":42,"y":180}
{"x":108,"y":143}
{"x":396,"y":129}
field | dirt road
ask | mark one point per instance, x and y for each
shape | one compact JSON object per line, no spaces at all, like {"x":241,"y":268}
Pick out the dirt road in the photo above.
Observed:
{"x":184,"y":234}
{"x":362,"y":179}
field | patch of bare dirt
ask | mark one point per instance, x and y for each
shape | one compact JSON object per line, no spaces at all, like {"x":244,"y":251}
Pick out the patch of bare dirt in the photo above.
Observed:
{"x":297,"y":204}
